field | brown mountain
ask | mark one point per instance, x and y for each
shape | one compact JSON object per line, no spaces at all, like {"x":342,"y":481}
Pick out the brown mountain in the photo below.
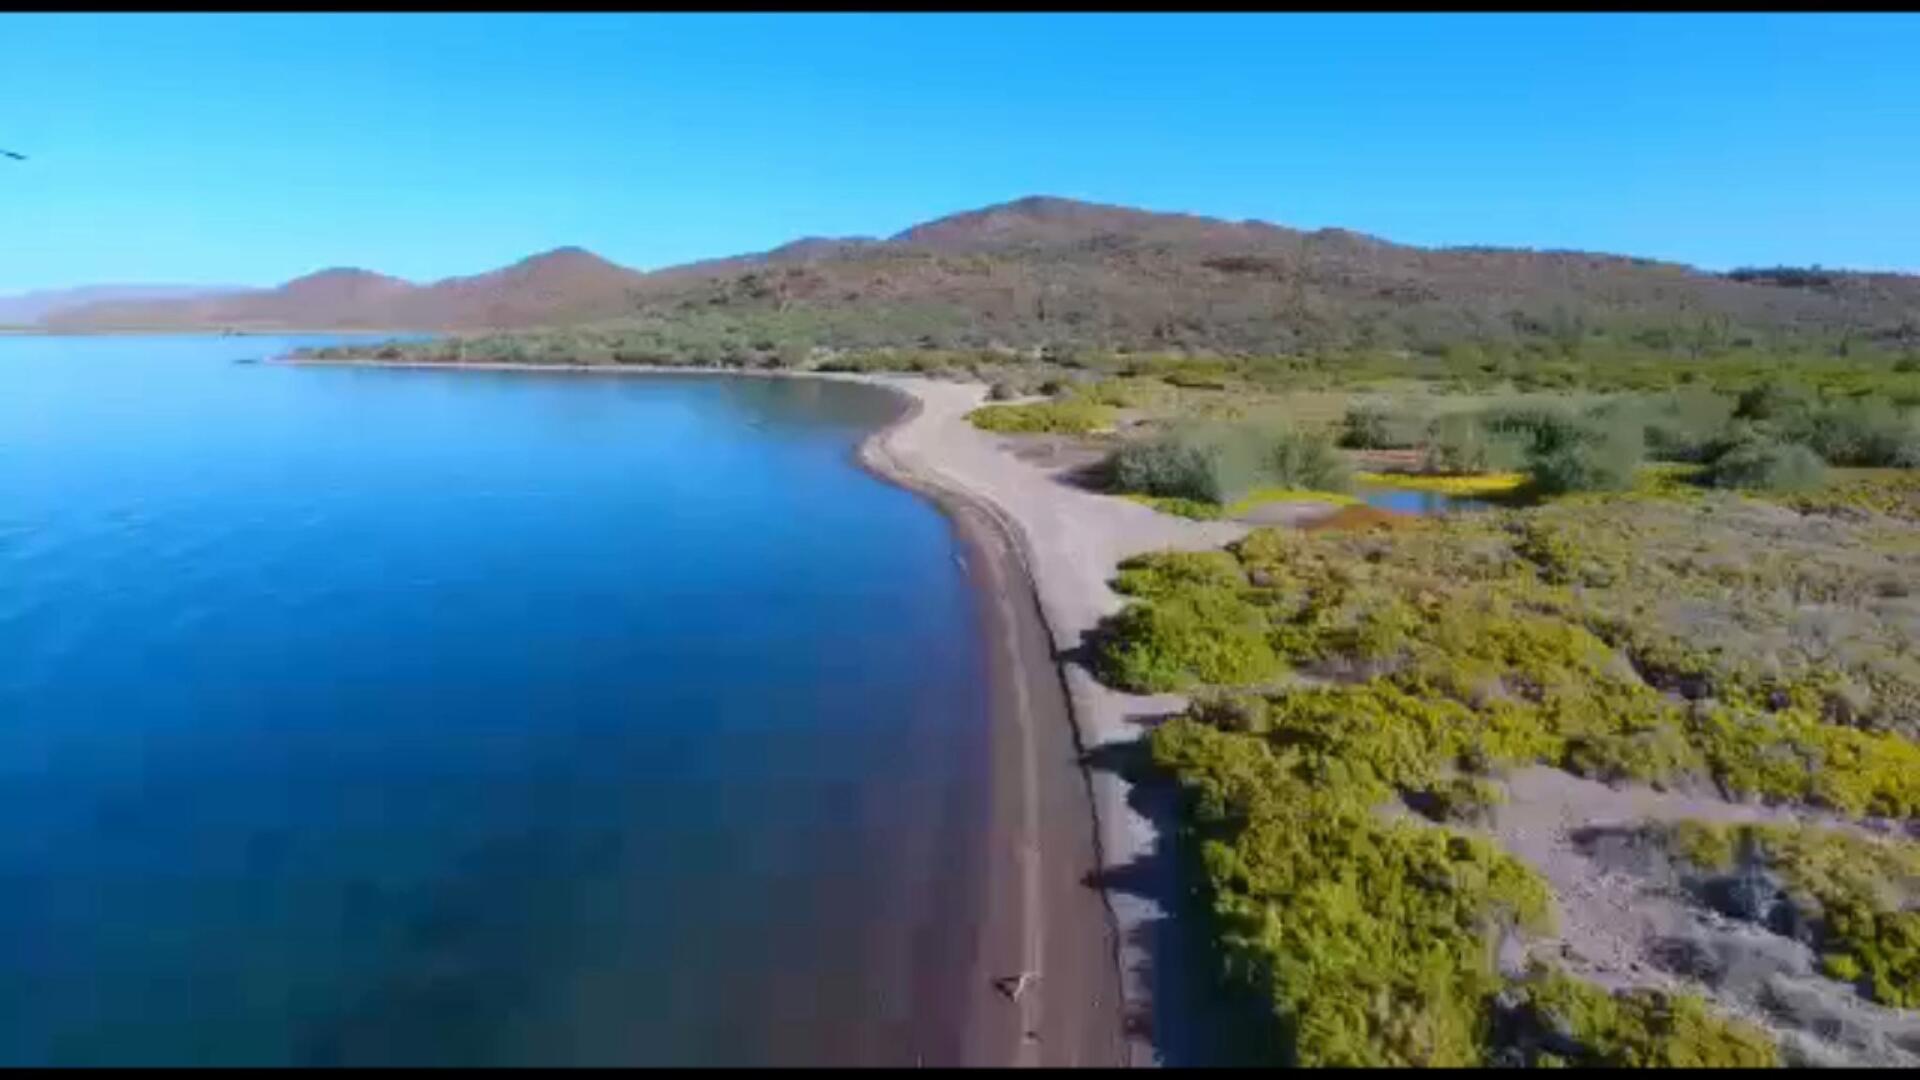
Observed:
{"x":28,"y":308}
{"x":1056,"y":270}
{"x":565,"y":285}
{"x":561,"y":286}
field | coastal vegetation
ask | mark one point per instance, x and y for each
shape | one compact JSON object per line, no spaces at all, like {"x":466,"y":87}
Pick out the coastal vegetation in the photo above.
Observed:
{"x":1074,"y":416}
{"x":1856,"y":898}
{"x":1222,"y":463}
{"x":1745,"y":647}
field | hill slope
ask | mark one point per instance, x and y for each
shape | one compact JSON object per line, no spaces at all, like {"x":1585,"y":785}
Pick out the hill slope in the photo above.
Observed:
{"x":1042,"y":270}
{"x":567,"y":285}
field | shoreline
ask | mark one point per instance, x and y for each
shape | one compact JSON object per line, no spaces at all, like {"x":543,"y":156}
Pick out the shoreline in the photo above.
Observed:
{"x":1076,"y":1006}
{"x":1040,"y":553}
{"x":1066,"y":542}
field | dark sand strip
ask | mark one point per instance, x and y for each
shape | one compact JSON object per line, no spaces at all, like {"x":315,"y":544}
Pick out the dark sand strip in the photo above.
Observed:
{"x":1041,"y":917}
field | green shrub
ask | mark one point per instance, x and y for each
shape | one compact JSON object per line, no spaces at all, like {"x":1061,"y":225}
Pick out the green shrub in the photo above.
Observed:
{"x":1459,"y":444}
{"x":1376,"y":427}
{"x":1567,"y":453}
{"x":1305,"y":461}
{"x":1461,"y":799}
{"x":1162,"y":573}
{"x":1857,"y":891}
{"x":1761,"y":465}
{"x":1528,"y":423}
{"x":1120,"y":393}
{"x":1201,"y":634}
{"x":1313,"y":896}
{"x":1584,"y":457}
{"x":1192,"y":509}
{"x":1067,"y":417}
{"x":1221,"y":463}
{"x":1773,"y":400}
{"x":1683,"y":426}
{"x":1172,"y":466}
{"x":1507,"y":639}
{"x":1584,"y":1025}
{"x":1368,"y":937}
{"x":1868,"y":433}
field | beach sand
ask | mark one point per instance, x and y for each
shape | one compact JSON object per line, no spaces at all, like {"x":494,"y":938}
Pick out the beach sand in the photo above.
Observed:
{"x":1062,"y":543}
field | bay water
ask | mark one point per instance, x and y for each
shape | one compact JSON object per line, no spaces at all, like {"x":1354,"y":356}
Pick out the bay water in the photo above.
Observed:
{"x":356,"y":715}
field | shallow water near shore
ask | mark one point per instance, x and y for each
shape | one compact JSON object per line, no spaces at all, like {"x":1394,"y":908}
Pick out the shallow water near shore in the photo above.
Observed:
{"x":397,"y":716}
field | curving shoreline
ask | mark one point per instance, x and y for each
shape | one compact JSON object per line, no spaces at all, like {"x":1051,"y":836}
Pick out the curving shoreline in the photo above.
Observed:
{"x":1039,"y":552}
{"x":1040,"y":916}
{"x":1067,"y":542}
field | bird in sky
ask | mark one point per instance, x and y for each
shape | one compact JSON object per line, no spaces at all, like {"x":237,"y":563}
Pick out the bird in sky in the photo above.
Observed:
{"x":14,"y":156}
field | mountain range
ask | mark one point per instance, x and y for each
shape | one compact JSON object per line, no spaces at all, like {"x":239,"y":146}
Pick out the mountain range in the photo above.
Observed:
{"x":1044,"y":269}
{"x":25,"y":309}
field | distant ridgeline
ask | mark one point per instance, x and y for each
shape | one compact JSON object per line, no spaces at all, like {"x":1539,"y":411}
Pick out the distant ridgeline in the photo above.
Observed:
{"x":1052,"y":273}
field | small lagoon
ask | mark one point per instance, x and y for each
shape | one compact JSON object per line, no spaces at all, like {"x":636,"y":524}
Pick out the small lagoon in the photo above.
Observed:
{"x":1425,"y":503}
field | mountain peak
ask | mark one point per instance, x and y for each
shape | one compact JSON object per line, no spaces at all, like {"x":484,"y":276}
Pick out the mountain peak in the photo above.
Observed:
{"x":342,"y":275}
{"x":1032,"y":219}
{"x":570,"y":256}
{"x":1043,"y":206}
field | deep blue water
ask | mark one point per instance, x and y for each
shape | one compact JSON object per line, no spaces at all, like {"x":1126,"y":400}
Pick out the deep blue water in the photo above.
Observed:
{"x":355,"y":715}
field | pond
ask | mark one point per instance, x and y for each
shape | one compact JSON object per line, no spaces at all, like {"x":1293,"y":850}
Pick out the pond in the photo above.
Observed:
{"x":1425,"y":503}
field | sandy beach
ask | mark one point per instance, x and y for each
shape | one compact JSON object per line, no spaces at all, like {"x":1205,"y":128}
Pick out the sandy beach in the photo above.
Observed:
{"x":1065,"y":542}
{"x":1040,"y":551}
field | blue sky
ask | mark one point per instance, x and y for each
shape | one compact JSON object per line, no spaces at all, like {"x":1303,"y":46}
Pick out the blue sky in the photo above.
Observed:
{"x":212,"y":148}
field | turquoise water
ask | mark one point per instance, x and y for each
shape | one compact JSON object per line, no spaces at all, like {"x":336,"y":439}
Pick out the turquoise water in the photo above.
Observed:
{"x":354,"y":715}
{"x":1407,"y":501}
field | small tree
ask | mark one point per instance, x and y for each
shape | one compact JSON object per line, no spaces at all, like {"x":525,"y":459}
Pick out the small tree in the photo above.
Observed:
{"x":1766,"y":465}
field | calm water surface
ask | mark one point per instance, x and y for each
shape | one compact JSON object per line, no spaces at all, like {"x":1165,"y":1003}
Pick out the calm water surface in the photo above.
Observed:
{"x":1409,"y":501}
{"x":458,"y":717}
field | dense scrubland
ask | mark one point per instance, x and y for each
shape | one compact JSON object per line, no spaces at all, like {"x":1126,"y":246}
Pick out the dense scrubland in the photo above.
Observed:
{"x":1705,"y":583}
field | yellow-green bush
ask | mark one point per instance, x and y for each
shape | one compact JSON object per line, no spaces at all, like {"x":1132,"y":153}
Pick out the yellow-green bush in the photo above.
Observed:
{"x":1893,"y":492}
{"x":1793,"y":756}
{"x":1193,"y":509}
{"x":1201,"y":635}
{"x":1462,"y":799}
{"x":1557,"y":630}
{"x":1071,"y":416}
{"x":1367,"y":935}
{"x":1861,"y":892}
{"x":1224,"y":463}
{"x":1371,"y":936}
{"x":1635,"y":1029}
{"x":1162,"y":572}
{"x":1123,"y":393}
{"x":1636,"y":637}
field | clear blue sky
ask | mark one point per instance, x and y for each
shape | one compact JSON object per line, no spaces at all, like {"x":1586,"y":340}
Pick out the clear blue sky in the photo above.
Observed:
{"x":209,"y":148}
